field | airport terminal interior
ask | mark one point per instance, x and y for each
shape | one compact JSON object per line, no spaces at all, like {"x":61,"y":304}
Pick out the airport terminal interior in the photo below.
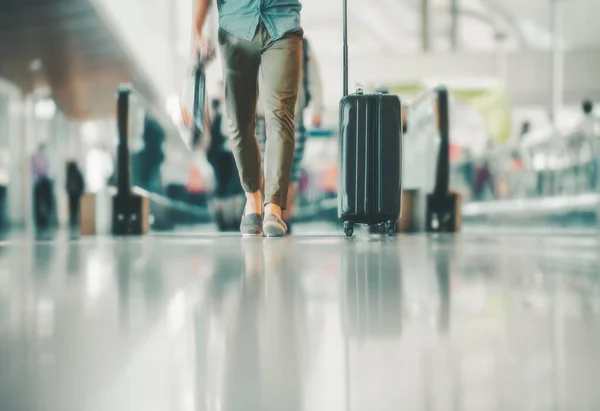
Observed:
{"x":125,"y":283}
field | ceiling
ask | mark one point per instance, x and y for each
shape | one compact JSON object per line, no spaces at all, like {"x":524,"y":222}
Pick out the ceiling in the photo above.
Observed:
{"x":394,"y":25}
{"x":61,"y":47}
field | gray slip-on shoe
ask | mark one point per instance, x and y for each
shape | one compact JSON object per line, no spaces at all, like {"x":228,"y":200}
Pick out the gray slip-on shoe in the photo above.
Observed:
{"x":274,"y":226}
{"x":252,"y":225}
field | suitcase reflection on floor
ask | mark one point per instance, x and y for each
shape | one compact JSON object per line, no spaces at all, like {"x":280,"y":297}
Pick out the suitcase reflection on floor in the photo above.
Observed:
{"x":395,"y":333}
{"x":373,"y":291}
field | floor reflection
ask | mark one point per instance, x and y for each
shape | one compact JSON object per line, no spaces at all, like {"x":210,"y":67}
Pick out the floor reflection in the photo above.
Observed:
{"x":306,"y":323}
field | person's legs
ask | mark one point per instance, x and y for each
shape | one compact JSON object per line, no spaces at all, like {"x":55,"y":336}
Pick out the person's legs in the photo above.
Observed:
{"x":280,"y":70}
{"x":73,"y":209}
{"x":36,"y":203}
{"x":42,"y":201}
{"x":241,"y":60}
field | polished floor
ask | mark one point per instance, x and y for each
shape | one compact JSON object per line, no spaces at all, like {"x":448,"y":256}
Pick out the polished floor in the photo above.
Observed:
{"x":178,"y":322}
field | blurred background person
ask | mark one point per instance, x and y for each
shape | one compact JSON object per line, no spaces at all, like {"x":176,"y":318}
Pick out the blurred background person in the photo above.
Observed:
{"x":75,"y":189}
{"x":218,"y":154}
{"x":484,"y":179}
{"x":42,"y":187}
{"x":467,"y":169}
{"x":149,"y":160}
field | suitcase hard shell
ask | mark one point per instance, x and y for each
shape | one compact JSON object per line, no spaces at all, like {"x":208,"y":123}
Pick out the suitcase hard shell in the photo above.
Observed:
{"x":370,"y":160}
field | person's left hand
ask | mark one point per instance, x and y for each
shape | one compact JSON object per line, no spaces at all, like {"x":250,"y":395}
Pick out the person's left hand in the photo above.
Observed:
{"x":202,"y":49}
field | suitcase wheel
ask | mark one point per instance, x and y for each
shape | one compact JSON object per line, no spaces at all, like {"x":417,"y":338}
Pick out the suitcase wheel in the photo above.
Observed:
{"x":348,"y":229}
{"x":390,"y":227}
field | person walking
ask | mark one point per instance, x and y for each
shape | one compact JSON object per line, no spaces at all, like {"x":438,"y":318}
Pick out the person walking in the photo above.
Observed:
{"x":259,"y":38}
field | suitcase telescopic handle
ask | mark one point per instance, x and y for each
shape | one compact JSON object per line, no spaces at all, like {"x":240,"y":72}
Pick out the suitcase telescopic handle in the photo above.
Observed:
{"x":345,"y":47}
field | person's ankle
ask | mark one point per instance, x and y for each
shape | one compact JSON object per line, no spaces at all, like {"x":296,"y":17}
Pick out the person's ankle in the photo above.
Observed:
{"x":253,"y":203}
{"x":273,"y":209}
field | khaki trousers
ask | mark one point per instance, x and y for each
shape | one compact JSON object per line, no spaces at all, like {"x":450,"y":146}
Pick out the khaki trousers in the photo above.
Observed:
{"x":279,"y":65}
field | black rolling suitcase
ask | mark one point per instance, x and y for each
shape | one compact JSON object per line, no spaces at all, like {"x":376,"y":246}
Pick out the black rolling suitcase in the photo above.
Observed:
{"x":370,"y":155}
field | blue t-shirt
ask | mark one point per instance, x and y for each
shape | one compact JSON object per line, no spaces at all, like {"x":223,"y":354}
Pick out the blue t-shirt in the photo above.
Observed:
{"x":240,"y":18}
